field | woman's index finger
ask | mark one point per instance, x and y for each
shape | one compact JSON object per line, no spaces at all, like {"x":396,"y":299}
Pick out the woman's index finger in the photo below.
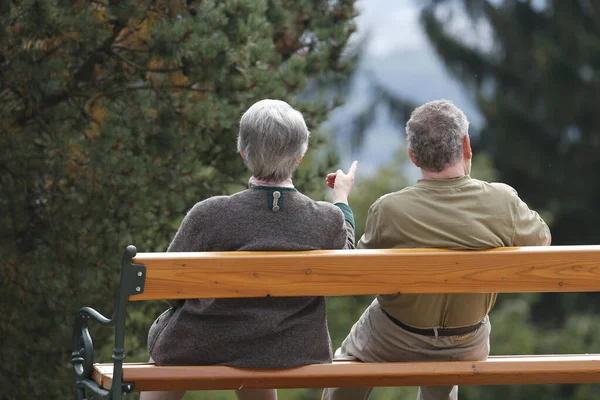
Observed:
{"x":352,"y":170}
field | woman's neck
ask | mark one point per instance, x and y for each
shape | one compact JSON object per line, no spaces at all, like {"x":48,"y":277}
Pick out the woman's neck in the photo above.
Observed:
{"x":262,"y":182}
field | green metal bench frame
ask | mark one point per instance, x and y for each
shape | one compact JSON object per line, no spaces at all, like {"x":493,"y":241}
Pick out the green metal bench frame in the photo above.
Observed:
{"x":133,"y":278}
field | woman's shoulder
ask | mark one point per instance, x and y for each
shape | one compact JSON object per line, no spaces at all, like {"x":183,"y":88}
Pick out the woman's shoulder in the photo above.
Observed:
{"x":224,"y":203}
{"x":322,"y":208}
{"x":209,"y":205}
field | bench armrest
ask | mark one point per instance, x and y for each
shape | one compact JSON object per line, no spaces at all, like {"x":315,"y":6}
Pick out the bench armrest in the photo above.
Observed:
{"x":82,"y":356}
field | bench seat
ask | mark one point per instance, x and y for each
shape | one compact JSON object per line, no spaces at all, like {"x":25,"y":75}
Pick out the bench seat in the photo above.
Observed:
{"x":497,"y":370}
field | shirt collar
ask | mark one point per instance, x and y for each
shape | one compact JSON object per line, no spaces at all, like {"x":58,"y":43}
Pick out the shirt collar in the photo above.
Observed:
{"x":461,"y":180}
{"x":286,"y":183}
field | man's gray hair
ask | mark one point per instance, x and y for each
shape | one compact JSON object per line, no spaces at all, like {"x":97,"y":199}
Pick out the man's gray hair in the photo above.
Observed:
{"x":272,"y":137}
{"x":435,"y":132}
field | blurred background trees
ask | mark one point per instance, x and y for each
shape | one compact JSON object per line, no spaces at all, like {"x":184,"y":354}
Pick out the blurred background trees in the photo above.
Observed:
{"x":118,"y":115}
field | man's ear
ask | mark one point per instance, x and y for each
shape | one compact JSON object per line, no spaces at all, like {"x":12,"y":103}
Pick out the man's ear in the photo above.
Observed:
{"x":242,"y":153}
{"x":411,"y":155}
{"x":298,"y":161}
{"x":467,"y":152}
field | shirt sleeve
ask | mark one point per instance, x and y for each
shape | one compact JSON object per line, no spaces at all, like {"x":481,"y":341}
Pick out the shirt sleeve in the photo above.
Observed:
{"x":529,"y":228}
{"x":348,"y":226}
{"x":347,"y":211}
{"x":372,"y":237}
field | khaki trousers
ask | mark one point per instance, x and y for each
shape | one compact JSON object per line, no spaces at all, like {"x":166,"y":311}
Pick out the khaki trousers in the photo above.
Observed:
{"x":374,"y":338}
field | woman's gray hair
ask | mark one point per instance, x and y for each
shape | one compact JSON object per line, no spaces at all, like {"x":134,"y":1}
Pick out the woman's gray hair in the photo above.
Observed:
{"x":272,"y":137}
{"x":435,"y":132}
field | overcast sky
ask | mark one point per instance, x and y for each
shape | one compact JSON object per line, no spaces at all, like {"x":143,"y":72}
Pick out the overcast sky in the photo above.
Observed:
{"x":394,"y":25}
{"x":399,"y":55}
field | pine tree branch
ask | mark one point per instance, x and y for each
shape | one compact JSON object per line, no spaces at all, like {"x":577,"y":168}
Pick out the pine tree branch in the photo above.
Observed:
{"x":85,"y":71}
{"x":133,"y":87}
{"x":146,"y":85}
{"x":14,"y":20}
{"x":121,"y":47}
{"x":142,"y":68}
{"x":83,"y":74}
{"x":287,"y":43}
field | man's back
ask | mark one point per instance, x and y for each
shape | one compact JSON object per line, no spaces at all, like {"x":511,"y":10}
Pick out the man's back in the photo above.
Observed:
{"x":446,"y":209}
{"x":462,"y":214}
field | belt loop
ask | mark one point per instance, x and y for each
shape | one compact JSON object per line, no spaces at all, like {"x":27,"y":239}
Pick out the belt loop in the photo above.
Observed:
{"x":435,"y":331}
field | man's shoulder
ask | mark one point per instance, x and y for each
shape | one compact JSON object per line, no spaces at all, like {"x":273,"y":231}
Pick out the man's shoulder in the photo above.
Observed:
{"x":500,"y":189}
{"x":498,"y":186}
{"x":394,"y":198}
{"x":410,"y":194}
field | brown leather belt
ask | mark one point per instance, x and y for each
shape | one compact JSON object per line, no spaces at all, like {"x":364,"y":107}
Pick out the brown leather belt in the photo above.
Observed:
{"x":463,"y":330}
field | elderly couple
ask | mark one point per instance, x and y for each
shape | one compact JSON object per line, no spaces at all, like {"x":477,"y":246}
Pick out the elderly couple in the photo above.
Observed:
{"x":445,"y":209}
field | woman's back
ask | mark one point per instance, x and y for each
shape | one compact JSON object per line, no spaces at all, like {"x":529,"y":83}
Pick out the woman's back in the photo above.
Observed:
{"x":257,"y":332}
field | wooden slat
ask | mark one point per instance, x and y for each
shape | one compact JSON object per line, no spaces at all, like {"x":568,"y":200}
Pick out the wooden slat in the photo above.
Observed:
{"x":363,"y":272}
{"x":494,"y":371}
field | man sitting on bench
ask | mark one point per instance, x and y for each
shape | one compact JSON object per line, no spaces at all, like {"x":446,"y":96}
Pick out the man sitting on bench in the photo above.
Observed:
{"x":445,"y":209}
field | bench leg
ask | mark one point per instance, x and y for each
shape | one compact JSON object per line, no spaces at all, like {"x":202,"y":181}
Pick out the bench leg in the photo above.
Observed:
{"x":79,"y":394}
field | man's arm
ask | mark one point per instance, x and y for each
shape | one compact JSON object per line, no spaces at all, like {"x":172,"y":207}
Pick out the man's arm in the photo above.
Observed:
{"x":371,"y":238}
{"x":529,"y":228}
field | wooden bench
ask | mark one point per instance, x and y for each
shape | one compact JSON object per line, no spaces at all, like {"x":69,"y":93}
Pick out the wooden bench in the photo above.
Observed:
{"x":159,"y":276}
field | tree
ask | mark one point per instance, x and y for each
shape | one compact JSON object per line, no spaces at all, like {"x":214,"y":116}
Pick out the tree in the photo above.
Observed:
{"x":117,"y":116}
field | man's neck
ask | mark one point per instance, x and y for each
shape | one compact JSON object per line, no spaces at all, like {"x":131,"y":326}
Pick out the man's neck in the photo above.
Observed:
{"x":452,"y":172}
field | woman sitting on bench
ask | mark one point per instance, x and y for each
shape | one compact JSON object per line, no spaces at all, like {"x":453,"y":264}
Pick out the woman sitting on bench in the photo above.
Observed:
{"x":271,"y":215}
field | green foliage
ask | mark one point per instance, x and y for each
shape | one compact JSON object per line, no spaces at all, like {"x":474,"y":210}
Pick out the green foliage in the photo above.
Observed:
{"x":116,"y":117}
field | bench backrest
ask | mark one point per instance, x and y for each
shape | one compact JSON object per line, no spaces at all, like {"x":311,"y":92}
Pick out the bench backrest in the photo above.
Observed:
{"x":158,"y":276}
{"x":368,"y":272}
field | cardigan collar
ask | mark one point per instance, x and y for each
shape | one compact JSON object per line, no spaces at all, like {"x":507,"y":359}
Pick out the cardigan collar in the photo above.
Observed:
{"x":286,"y":183}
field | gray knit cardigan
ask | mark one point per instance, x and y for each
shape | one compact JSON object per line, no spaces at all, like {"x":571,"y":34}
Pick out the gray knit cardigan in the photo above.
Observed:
{"x":272,"y":332}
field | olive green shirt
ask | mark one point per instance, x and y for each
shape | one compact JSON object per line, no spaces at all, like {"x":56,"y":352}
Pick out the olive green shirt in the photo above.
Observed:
{"x":462,"y":214}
